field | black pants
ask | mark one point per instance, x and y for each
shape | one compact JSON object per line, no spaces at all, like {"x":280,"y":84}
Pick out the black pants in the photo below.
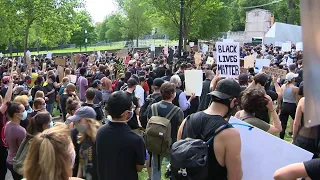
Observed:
{"x":3,"y":161}
{"x":15,"y":175}
{"x":307,"y":144}
{"x":287,"y":109}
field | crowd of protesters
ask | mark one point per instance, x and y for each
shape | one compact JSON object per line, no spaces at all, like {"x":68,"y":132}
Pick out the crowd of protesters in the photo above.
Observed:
{"x":105,"y":124}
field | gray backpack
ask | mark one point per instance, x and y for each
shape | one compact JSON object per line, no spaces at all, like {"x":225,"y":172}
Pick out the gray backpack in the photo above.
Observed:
{"x":158,"y":132}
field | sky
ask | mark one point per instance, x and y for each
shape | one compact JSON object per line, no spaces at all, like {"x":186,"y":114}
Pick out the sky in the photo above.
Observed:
{"x":100,"y":8}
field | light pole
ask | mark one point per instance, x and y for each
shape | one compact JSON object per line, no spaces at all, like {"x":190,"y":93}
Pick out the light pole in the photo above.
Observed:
{"x":86,"y":40}
{"x":181,"y":26}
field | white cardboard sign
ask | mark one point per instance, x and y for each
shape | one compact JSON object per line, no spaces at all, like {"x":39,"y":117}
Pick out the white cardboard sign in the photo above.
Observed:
{"x":299,"y":46}
{"x":191,"y":44}
{"x":228,"y":59}
{"x":193,"y":82}
{"x":262,"y":62}
{"x":263,"y":153}
{"x":286,"y":47}
{"x":205,"y":48}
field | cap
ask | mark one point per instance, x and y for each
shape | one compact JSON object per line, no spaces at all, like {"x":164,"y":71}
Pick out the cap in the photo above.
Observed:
{"x":83,"y":112}
{"x":291,"y":75}
{"x":132,"y":82}
{"x":226,"y":89}
{"x":158,"y":82}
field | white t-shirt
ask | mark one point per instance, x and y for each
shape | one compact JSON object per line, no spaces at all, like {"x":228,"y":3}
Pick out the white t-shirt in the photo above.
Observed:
{"x":139,"y":93}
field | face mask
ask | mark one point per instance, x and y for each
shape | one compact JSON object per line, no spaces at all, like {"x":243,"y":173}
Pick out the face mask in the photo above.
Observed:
{"x":51,"y":124}
{"x":81,"y":128}
{"x":30,"y":98}
{"x":24,"y":115}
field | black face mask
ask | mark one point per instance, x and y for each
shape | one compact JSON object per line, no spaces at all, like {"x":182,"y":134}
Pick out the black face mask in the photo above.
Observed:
{"x":230,"y":110}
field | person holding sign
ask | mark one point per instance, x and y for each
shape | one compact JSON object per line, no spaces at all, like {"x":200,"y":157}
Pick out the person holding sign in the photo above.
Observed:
{"x":228,"y":60}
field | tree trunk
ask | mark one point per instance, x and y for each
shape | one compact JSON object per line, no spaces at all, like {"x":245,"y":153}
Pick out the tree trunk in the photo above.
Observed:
{"x":137,"y":42}
{"x":10,"y":48}
{"x":26,"y":36}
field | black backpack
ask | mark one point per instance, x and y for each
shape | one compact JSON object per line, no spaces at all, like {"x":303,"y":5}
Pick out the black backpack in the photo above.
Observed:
{"x":146,"y":108}
{"x":189,"y":157}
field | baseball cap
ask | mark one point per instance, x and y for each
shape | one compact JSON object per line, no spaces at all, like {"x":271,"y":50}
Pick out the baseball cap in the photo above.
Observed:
{"x":226,"y":89}
{"x":158,"y":82}
{"x":5,"y":79}
{"x":291,"y":75}
{"x":83,"y":112}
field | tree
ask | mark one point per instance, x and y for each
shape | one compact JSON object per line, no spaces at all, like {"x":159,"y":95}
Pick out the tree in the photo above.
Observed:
{"x":137,"y":21}
{"x":115,"y":24}
{"x":84,"y":30}
{"x":54,"y":16}
{"x":101,"y":29}
{"x":202,"y":18}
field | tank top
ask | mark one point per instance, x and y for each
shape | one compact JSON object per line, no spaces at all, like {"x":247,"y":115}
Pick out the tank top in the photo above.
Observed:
{"x":289,"y":96}
{"x":202,"y":126}
{"x":311,"y":132}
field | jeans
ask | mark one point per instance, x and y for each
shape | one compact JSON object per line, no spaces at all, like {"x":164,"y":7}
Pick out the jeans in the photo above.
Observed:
{"x":50,"y":108}
{"x":156,"y":170}
{"x":15,"y":175}
{"x":3,"y":162}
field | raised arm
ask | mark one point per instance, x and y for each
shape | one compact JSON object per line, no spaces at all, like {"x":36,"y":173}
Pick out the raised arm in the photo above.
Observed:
{"x":7,"y":97}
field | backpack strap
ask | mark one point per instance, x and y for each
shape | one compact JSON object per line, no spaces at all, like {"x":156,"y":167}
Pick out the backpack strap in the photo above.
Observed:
{"x":154,"y":110}
{"x":173,"y":111}
{"x":226,"y":126}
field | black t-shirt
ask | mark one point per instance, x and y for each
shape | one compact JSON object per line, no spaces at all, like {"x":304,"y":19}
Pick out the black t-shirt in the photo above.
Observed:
{"x":313,"y":168}
{"x":163,"y":110}
{"x":52,"y":97}
{"x":203,"y":126}
{"x":150,"y":83}
{"x":160,"y":71}
{"x":35,"y":89}
{"x":133,"y":123}
{"x":119,"y":150}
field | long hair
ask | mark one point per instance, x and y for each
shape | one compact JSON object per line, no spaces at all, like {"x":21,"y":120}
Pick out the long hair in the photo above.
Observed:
{"x":91,"y":133}
{"x":50,"y":155}
{"x":36,"y":123}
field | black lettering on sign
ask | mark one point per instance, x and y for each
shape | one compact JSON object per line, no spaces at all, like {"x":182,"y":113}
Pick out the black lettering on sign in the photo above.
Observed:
{"x":232,"y":70}
{"x":227,"y":49}
{"x":229,"y":58}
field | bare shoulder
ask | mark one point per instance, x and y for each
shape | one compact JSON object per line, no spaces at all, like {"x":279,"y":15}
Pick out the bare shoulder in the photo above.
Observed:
{"x":229,"y":134}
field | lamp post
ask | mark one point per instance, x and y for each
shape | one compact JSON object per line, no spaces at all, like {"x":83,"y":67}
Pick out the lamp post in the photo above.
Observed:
{"x":181,"y":26}
{"x":86,"y":40}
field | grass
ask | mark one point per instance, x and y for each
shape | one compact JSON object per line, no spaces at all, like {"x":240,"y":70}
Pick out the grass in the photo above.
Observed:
{"x":113,"y":46}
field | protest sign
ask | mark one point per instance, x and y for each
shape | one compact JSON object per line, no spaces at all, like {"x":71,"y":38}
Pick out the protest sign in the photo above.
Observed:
{"x":28,"y":60}
{"x":299,"y":46}
{"x":249,"y":61}
{"x":60,"y":62}
{"x":228,"y":58}
{"x":276,"y":152}
{"x":278,"y":44}
{"x":73,"y":78}
{"x":278,"y":73}
{"x":60,"y":70}
{"x":193,"y":82}
{"x":210,"y":60}
{"x":77,"y":58}
{"x":286,"y":47}
{"x":205,"y":48}
{"x":49,"y":55}
{"x":122,"y":53}
{"x":244,"y":70}
{"x":191,"y":44}
{"x":262,"y":62}
{"x":197,"y":58}
{"x":153,"y":48}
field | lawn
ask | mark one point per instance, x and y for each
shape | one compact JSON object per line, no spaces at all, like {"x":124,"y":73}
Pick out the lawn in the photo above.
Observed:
{"x":113,"y":46}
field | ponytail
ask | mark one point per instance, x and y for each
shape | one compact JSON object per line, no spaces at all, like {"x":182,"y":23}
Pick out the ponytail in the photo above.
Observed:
{"x":47,"y":158}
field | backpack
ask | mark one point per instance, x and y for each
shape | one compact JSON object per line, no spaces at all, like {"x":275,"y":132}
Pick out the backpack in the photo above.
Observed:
{"x":146,"y":107}
{"x":124,"y":87}
{"x":189,"y":157}
{"x":18,"y":160}
{"x":158,"y":131}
